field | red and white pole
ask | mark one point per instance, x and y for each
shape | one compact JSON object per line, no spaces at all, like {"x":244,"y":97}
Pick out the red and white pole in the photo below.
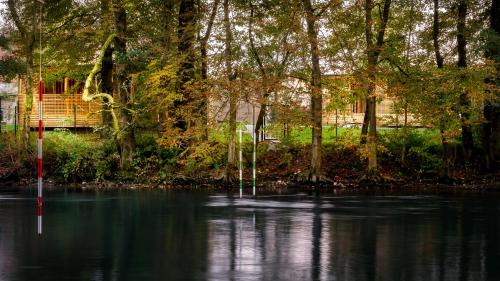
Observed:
{"x":40,"y":153}
{"x":40,"y":132}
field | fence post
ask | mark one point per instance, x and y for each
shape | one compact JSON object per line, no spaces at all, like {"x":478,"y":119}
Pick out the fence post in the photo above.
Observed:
{"x":74,"y":118}
{"x":336,"y":123}
{"x":15,"y":120}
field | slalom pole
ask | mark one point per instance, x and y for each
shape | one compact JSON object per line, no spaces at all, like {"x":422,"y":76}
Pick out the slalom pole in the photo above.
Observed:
{"x":254,"y":160}
{"x":241,"y":165}
{"x":40,"y":132}
{"x":40,"y":154}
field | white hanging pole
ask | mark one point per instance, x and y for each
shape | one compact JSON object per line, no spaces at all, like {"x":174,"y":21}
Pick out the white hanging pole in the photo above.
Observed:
{"x":40,"y":132}
{"x":241,"y":165}
{"x":254,"y":160}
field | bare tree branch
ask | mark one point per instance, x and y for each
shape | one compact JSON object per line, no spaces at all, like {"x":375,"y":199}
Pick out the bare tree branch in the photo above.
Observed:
{"x":204,"y":39}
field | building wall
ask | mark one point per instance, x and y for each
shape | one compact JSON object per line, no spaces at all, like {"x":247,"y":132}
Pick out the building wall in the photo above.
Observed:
{"x":8,"y":96}
{"x":296,"y":91}
{"x":61,"y":107}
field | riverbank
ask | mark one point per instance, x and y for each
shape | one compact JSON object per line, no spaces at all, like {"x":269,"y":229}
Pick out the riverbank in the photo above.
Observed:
{"x":88,"y":162}
{"x":273,"y":186}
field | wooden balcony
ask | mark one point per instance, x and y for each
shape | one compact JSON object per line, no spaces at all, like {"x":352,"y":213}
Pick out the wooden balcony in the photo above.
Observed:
{"x":61,"y":111}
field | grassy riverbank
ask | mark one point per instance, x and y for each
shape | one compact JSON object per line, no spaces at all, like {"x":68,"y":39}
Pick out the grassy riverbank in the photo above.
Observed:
{"x":77,"y":158}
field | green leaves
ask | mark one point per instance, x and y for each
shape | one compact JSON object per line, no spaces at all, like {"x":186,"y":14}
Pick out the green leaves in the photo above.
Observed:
{"x":10,"y":67}
{"x":491,"y":44}
{"x":433,"y":95}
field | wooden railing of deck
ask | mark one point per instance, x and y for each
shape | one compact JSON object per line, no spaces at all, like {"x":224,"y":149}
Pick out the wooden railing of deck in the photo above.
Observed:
{"x":63,"y":110}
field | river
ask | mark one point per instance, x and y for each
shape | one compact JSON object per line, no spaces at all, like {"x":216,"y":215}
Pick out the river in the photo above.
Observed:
{"x":173,"y":235}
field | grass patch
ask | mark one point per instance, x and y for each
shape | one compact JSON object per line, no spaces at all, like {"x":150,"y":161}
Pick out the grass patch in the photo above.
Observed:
{"x":303,"y":135}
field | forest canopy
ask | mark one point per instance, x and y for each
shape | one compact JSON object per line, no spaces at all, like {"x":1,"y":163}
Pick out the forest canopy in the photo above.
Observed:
{"x":172,"y":66}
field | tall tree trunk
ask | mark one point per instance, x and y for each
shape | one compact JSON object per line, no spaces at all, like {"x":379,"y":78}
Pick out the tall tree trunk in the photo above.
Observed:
{"x":106,"y":71}
{"x":168,"y":20}
{"x":204,"y":40}
{"x":259,"y":122}
{"x":122,"y":87}
{"x":467,"y":140}
{"x":446,"y":154}
{"x":491,"y":113}
{"x":107,"y":87}
{"x":231,"y":152}
{"x":186,"y":34}
{"x":366,"y":122}
{"x":204,"y":67}
{"x":373,"y":51}
{"x":316,"y":95}
{"x":28,"y":106}
{"x":435,"y":35}
{"x":168,"y":6}
{"x":372,"y":123}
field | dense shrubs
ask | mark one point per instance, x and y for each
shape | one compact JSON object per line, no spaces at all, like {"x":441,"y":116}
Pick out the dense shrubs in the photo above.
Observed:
{"x":71,"y":157}
{"x":423,"y":149}
{"x":79,"y":157}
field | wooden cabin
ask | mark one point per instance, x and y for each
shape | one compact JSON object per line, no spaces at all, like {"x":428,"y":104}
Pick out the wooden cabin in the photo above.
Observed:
{"x":297,"y":90}
{"x":354,"y":113}
{"x":63,"y":106}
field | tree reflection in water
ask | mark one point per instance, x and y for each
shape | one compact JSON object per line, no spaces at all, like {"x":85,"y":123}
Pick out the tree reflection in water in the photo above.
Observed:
{"x":196,"y":236}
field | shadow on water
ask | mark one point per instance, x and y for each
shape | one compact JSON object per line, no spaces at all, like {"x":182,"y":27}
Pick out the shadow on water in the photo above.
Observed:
{"x":126,"y":235}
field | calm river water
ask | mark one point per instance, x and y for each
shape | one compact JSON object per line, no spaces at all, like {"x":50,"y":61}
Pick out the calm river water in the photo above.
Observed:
{"x":153,"y":235}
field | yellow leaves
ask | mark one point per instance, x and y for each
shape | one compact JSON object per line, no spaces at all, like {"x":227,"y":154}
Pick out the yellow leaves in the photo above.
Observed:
{"x":171,"y":138}
{"x":160,"y":86}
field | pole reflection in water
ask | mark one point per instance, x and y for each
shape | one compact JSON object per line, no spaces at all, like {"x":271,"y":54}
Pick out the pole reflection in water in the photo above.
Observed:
{"x":196,"y":236}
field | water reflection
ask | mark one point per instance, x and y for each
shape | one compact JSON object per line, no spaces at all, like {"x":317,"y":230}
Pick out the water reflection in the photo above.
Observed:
{"x":400,"y":238}
{"x":194,"y":236}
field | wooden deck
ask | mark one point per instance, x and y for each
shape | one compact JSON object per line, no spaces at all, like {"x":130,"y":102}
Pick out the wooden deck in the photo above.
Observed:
{"x":64,"y":111}
{"x":385,"y":120}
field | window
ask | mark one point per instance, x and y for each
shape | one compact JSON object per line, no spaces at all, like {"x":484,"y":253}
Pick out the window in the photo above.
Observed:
{"x":59,"y":87}
{"x":47,"y":88}
{"x":75,"y":87}
{"x":358,"y":106}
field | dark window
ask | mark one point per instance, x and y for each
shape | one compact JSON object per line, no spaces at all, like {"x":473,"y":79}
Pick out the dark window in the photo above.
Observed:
{"x":358,"y":106}
{"x":72,"y":86}
{"x":59,"y":87}
{"x":48,"y":88}
{"x":80,"y":88}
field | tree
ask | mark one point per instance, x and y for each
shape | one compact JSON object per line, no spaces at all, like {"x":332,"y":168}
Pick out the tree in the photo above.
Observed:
{"x":122,"y":85}
{"x":316,"y":94}
{"x":26,"y":17}
{"x":233,"y":98}
{"x":275,"y":47}
{"x":467,"y":141}
{"x":373,"y":50}
{"x":491,"y":112}
{"x":186,"y":34}
{"x":203,"y":41}
{"x":168,"y":12}
{"x":106,"y":71}
{"x":446,"y":165}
